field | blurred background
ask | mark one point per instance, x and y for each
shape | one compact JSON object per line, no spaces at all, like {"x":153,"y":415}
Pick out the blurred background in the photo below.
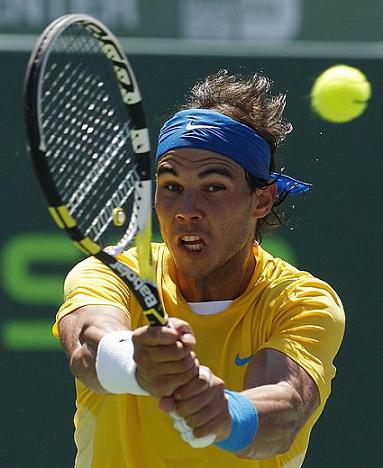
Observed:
{"x":337,"y":231}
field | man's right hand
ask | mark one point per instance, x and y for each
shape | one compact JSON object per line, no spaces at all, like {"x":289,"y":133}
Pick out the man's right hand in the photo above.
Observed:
{"x":164,"y":357}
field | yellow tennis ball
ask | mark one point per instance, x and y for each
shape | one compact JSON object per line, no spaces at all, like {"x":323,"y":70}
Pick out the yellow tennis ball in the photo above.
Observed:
{"x":340,"y":94}
{"x":118,"y":216}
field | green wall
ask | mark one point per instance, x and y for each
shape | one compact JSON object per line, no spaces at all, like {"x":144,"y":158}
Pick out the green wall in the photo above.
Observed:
{"x":337,"y":236}
{"x":323,"y":20}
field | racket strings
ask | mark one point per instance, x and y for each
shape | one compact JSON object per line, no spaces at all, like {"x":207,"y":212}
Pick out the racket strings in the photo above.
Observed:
{"x":105,"y":216}
{"x":86,"y":133}
{"x":62,"y":132}
{"x":60,"y":117}
{"x":80,"y":201}
{"x":76,"y":130}
{"x":101,"y":175}
{"x":50,"y":99}
{"x":89,"y":178}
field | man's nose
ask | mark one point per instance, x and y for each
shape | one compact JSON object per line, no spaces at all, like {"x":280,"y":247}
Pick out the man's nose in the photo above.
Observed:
{"x":189,"y":209}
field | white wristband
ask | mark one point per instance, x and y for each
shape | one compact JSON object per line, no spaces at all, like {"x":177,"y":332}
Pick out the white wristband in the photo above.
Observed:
{"x":115,"y":367}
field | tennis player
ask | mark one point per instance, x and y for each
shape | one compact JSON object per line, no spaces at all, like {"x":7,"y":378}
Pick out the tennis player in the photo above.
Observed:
{"x":245,"y":369}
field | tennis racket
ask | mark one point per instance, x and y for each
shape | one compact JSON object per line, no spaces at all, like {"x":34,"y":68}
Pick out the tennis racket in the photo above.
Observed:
{"x":90,"y":148}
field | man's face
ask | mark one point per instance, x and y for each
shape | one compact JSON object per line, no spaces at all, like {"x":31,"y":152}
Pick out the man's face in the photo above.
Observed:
{"x":206,"y":211}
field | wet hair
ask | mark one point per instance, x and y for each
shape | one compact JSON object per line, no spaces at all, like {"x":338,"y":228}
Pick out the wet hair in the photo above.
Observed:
{"x":249,"y":100}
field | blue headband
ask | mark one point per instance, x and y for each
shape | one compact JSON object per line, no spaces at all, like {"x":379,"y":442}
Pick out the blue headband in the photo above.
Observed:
{"x":213,"y":131}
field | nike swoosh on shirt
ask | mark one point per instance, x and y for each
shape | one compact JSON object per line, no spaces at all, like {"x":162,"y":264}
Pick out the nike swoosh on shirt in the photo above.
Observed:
{"x":242,"y":361}
{"x":190,"y":126}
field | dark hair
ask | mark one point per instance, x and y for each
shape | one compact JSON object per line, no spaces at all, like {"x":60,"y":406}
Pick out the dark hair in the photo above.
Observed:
{"x":247,"y":99}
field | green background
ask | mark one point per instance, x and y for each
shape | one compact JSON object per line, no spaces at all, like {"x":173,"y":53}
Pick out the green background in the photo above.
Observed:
{"x":337,"y":236}
{"x":323,"y":20}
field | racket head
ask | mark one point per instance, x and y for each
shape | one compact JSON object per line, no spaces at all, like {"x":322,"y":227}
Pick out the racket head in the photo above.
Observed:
{"x":87,"y":133}
{"x":89,"y":144}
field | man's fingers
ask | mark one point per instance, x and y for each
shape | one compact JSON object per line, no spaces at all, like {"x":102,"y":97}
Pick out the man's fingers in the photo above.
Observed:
{"x":164,"y":357}
{"x":169,"y":368}
{"x":195,"y":386}
{"x":167,"y":404}
{"x":184,"y":331}
{"x":206,"y":421}
{"x":154,"y":336}
{"x":195,"y":404}
{"x":187,"y":433}
{"x":158,"y":354}
{"x":178,"y":330}
{"x":206,"y":415}
{"x":164,"y":386}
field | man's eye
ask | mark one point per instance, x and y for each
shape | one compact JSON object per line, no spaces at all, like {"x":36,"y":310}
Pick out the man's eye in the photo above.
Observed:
{"x":173,"y":187}
{"x":215,"y":188}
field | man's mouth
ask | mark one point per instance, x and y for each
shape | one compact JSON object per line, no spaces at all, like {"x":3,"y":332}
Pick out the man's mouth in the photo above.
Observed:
{"x":192,"y":243}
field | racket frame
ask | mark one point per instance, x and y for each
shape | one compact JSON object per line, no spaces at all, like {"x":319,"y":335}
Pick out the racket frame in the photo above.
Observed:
{"x":144,"y":290}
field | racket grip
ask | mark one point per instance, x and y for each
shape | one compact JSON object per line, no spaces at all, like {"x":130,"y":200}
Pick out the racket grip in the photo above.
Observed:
{"x":199,"y":442}
{"x":186,"y":432}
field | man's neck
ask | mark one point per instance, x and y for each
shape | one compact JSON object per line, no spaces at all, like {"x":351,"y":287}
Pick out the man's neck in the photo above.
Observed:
{"x":228,"y":283}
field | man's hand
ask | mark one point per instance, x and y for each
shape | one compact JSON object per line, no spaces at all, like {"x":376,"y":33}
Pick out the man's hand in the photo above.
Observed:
{"x":202,"y":404}
{"x":167,"y":368}
{"x":164,"y":357}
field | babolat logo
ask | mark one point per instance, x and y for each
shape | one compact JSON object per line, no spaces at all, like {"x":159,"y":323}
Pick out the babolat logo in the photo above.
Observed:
{"x":137,"y":284}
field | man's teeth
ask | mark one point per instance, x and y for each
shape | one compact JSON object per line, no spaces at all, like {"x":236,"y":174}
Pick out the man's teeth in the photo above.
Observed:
{"x":190,"y":238}
{"x":192,"y":243}
{"x":194,"y":247}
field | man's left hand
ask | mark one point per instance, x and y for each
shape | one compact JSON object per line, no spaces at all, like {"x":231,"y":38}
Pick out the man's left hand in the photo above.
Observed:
{"x":202,"y":405}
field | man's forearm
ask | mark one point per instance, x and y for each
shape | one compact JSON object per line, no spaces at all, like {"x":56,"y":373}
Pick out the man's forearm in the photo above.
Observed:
{"x":280,"y":413}
{"x":83,"y":368}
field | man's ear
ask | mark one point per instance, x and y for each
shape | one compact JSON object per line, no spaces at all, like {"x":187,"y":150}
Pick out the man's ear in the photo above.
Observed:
{"x":264,"y":200}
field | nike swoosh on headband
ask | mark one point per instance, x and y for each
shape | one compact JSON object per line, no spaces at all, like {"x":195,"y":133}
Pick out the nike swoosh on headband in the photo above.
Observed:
{"x":242,"y":361}
{"x":190,"y":126}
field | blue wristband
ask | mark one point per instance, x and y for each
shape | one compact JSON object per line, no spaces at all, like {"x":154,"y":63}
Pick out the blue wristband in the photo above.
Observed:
{"x":244,"y":422}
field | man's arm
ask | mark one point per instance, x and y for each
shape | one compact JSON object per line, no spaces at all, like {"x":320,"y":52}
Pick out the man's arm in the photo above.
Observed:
{"x":81,"y":331}
{"x":163,"y":354}
{"x":284,"y":395}
{"x":282,"y":392}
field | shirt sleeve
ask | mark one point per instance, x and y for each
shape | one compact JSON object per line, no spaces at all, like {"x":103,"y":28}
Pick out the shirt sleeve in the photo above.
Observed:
{"x":308,"y":327}
{"x":92,"y":283}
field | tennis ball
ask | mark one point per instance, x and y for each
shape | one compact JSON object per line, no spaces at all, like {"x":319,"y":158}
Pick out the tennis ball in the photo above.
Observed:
{"x":118,"y":216}
{"x":340,"y":94}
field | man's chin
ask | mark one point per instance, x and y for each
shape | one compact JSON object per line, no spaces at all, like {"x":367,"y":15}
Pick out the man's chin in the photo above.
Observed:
{"x":192,"y":269}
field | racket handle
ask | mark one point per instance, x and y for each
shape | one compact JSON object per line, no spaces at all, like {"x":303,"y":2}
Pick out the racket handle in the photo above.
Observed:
{"x":186,"y":432}
{"x":199,"y":442}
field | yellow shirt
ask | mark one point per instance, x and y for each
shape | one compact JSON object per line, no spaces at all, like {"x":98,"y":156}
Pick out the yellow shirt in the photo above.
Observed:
{"x":282,"y":308}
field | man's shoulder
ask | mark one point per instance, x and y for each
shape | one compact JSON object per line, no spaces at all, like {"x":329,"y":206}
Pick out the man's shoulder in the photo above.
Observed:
{"x":291,"y":282}
{"x":276,"y":269}
{"x":92,"y":264}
